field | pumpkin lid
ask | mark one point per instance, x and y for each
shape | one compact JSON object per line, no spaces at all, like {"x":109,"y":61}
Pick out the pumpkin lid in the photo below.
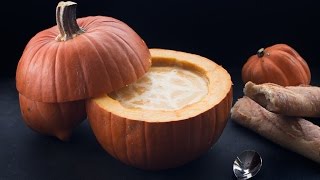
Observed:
{"x":80,"y":58}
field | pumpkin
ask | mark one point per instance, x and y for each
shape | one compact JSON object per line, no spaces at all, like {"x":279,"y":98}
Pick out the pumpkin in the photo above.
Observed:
{"x":146,"y":126}
{"x":279,"y":64}
{"x":54,"y":119}
{"x":76,"y":60}
{"x":68,"y":63}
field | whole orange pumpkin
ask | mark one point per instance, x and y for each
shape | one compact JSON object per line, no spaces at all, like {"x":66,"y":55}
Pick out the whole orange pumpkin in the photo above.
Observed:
{"x":67,"y":63}
{"x":278,"y":64}
{"x":76,"y":60}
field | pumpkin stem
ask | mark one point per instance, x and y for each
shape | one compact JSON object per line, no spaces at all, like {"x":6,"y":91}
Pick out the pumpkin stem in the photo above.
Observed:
{"x":260,"y":52}
{"x":67,"y":21}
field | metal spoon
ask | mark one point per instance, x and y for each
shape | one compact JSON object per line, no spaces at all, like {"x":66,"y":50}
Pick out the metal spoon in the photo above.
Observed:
{"x":247,"y":164}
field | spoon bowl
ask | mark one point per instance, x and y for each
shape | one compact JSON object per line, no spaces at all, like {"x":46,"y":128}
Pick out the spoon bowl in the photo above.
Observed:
{"x":247,"y":164}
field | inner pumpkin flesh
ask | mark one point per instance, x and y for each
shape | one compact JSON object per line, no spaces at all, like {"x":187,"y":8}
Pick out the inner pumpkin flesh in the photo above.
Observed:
{"x":163,"y":88}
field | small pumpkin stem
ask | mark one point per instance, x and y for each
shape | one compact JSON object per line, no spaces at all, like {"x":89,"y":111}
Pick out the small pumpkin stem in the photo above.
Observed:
{"x":67,"y":21}
{"x":260,"y":52}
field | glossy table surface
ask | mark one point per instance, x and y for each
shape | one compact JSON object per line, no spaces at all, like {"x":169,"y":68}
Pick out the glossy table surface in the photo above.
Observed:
{"x":25,"y":154}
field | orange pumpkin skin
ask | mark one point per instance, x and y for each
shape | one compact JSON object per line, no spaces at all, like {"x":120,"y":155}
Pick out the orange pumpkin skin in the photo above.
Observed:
{"x":278,"y":64}
{"x":54,"y":119}
{"x":106,"y":57}
{"x":65,"y":64}
{"x":158,"y":145}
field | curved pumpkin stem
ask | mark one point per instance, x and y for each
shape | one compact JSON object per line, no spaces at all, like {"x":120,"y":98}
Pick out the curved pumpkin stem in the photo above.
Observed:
{"x":67,"y":21}
{"x":260,"y":52}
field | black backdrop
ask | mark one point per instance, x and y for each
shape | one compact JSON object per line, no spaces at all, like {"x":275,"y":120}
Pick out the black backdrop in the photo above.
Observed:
{"x":228,"y":31}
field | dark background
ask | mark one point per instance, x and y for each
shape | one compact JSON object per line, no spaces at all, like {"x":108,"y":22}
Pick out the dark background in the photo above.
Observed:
{"x":227,"y":31}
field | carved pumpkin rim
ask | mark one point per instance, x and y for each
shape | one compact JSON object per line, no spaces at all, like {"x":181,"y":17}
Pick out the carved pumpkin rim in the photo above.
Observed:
{"x":219,"y":86}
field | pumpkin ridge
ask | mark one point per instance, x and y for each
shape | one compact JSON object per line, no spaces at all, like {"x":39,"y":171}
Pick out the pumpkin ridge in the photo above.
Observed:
{"x":304,"y":65}
{"x":121,"y":29}
{"x":24,"y":83}
{"x":81,"y":71}
{"x":144,"y":44}
{"x":111,"y":135}
{"x":262,"y":67}
{"x":254,"y":72}
{"x":200,"y":128}
{"x":55,"y":74}
{"x":306,"y":73}
{"x":282,"y":74}
{"x":147,"y":155}
{"x":115,"y":64}
{"x":212,"y":114}
{"x":107,"y":18}
{"x":196,"y":132}
{"x":62,"y":115}
{"x":173,"y":138}
{"x":221,"y":108}
{"x":132,"y":69}
{"x":41,"y":115}
{"x":136,"y":55}
{"x":106,"y":24}
{"x":253,"y":63}
{"x":43,"y":55}
{"x":127,"y":56}
{"x":306,"y":69}
{"x":100,"y":57}
{"x":63,"y":57}
{"x":301,"y":73}
{"x":189,"y":137}
{"x":95,"y":20}
{"x":208,"y":123}
{"x":116,"y":21}
{"x":87,"y":25}
{"x":287,"y":49}
{"x":126,"y":140}
{"x":217,"y":117}
{"x":110,"y":24}
{"x":290,"y":59}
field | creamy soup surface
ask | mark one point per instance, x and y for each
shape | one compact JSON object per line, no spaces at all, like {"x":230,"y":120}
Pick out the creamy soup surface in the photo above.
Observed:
{"x":163,"y":88}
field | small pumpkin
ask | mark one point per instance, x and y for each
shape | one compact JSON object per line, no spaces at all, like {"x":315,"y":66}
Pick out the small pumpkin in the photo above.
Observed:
{"x":155,"y":123}
{"x":73,"y":61}
{"x":278,"y":64}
